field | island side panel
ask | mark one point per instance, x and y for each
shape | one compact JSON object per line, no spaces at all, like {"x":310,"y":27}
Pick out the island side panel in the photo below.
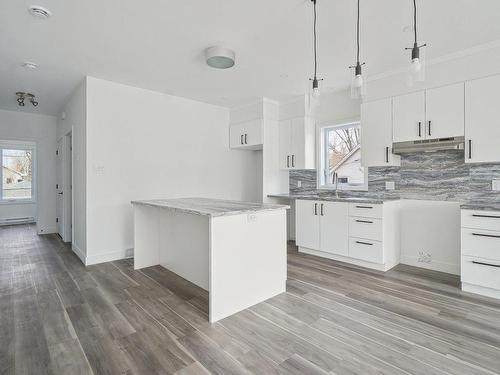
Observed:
{"x":184,"y":245}
{"x":146,"y":236}
{"x":247,"y":260}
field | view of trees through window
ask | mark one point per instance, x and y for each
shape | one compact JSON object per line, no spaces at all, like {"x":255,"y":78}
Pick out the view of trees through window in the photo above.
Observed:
{"x":344,"y":154}
{"x":17,"y":174}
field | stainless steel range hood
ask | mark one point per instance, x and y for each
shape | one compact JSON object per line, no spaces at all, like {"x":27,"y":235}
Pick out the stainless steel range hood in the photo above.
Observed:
{"x":429,"y":145}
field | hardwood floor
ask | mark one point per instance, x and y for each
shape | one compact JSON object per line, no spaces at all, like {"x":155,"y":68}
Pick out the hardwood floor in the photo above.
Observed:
{"x":58,"y":317}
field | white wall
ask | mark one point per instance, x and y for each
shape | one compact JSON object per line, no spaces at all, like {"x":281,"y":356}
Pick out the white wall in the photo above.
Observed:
{"x":40,"y":129}
{"x":75,"y":122}
{"x":146,"y":145}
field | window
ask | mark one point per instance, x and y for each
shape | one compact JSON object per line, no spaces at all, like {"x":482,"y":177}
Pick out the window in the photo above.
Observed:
{"x":17,"y":171}
{"x":340,"y":156}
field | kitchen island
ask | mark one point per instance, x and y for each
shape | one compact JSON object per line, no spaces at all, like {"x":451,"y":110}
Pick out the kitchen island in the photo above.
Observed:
{"x":234,"y":250}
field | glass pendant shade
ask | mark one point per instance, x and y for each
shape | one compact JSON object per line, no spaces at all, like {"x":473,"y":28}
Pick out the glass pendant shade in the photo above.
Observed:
{"x":358,"y":84}
{"x":417,"y":65}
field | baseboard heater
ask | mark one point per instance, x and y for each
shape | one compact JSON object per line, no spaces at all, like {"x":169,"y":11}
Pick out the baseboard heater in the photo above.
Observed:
{"x":17,"y":220}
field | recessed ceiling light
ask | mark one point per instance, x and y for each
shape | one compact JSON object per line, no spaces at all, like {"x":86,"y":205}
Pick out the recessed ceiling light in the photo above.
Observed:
{"x":284,"y":75}
{"x":219,"y":57}
{"x":29,"y":65}
{"x":39,"y":12}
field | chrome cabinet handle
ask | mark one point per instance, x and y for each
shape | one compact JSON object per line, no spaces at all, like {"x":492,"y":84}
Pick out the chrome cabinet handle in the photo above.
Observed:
{"x":364,"y":243}
{"x":486,"y":264}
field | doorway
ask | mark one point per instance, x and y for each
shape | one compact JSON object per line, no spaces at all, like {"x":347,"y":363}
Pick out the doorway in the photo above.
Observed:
{"x":64,"y":187}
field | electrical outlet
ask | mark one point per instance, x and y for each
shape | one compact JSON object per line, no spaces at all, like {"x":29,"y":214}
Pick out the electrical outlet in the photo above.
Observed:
{"x":299,"y":183}
{"x":495,"y":185}
{"x":424,"y":257}
{"x":390,"y":185}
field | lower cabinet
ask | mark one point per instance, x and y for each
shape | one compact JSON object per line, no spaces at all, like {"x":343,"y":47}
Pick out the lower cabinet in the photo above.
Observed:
{"x":362,"y":234}
{"x":480,"y":254}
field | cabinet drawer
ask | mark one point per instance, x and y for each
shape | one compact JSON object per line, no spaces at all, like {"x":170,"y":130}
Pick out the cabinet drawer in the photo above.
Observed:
{"x":365,"y":210}
{"x":365,"y":227}
{"x":480,"y":272}
{"x":368,"y":250}
{"x":481,"y":243}
{"x":487,"y":220}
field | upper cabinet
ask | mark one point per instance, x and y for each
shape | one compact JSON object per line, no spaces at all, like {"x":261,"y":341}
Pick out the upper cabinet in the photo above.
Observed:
{"x":482,"y":116}
{"x":430,"y":114}
{"x":376,"y":134}
{"x":444,"y":111}
{"x":296,"y":143}
{"x":246,"y":135}
{"x":409,"y":117}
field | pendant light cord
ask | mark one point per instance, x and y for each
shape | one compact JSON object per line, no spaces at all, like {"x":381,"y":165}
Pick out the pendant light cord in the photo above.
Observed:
{"x":357,"y":37}
{"x":314,"y":37}
{"x":414,"y":19}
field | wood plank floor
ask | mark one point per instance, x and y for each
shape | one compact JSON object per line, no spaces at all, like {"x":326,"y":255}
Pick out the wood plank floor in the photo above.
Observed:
{"x":58,"y":317}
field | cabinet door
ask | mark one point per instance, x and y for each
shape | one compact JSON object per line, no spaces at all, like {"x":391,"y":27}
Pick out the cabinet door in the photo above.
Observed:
{"x":285,"y":139}
{"x":307,"y":224}
{"x":444,"y":112}
{"x":252,"y":133}
{"x":376,"y":134}
{"x":334,"y":224}
{"x":482,"y":115}
{"x":297,"y":148}
{"x":408,"y":117}
{"x":236,"y":136}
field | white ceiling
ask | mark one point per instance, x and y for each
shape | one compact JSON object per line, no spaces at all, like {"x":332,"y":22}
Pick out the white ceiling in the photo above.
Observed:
{"x":158,"y":44}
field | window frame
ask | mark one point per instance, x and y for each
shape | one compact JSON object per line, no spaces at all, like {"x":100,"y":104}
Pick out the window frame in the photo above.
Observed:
{"x":322,"y":156}
{"x":19,"y":145}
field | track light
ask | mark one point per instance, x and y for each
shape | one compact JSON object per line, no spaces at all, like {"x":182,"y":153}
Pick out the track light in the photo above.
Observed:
{"x":21,"y":96}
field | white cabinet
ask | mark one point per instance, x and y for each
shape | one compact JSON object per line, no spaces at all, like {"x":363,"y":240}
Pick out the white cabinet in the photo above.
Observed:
{"x":408,"y":117}
{"x":297,"y":143}
{"x":376,"y":134}
{"x":444,"y":111}
{"x":246,"y":135}
{"x":362,"y":234}
{"x":480,"y":265}
{"x":482,"y":116}
{"x":322,"y":226}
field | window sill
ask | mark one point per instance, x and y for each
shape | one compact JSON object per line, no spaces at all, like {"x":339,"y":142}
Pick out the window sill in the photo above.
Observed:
{"x":19,"y":201}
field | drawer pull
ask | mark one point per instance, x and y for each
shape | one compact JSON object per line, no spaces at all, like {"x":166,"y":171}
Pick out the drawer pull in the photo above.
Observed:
{"x":486,"y":264}
{"x":364,"y":243}
{"x":363,"y":207}
{"x":485,"y":235}
{"x":488,"y":216}
{"x":364,"y":221}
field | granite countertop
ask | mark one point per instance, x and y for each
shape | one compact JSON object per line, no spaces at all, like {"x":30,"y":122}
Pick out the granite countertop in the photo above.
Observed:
{"x":329,"y":198}
{"x":210,"y":207}
{"x":481,"y":206}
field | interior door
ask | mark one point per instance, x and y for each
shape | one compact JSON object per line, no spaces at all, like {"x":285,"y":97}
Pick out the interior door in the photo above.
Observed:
{"x":334,"y":224}
{"x":444,"y":111}
{"x":59,"y":188}
{"x":307,"y":224}
{"x":408,"y":116}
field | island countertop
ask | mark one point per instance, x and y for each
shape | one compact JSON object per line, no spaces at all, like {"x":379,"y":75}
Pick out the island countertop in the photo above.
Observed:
{"x":209,"y":207}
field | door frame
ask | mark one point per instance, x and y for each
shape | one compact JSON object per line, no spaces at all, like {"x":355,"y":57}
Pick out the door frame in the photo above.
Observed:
{"x":67,"y":183}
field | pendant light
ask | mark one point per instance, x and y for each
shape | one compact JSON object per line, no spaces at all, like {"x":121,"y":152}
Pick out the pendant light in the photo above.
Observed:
{"x":358,"y":84}
{"x":315,"y":81}
{"x":417,"y":66}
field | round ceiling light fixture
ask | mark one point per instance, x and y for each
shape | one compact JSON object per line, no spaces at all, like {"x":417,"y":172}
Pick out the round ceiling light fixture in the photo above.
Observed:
{"x":220,"y":57}
{"x":29,"y":65}
{"x":40,"y":12}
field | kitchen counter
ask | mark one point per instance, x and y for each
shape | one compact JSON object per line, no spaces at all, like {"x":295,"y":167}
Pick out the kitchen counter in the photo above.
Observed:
{"x":210,"y":207}
{"x":481,"y":206}
{"x":329,"y":198}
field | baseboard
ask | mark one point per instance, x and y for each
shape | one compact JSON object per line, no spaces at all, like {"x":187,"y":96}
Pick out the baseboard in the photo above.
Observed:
{"x":109,"y":257}
{"x":48,"y":230}
{"x":434,"y":266}
{"x":79,"y":253}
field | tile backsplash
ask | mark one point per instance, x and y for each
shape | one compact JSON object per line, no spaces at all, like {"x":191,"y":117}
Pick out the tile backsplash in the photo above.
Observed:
{"x":440,"y":175}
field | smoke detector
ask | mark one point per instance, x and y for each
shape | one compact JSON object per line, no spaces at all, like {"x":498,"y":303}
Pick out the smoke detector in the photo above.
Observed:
{"x":220,"y":57}
{"x":39,"y":12}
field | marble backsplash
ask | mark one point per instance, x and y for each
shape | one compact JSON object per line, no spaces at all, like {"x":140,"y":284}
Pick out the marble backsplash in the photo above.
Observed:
{"x":440,"y":175}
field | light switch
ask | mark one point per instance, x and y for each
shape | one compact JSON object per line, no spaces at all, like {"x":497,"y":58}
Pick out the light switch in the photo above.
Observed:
{"x":390,"y":185}
{"x":495,"y":185}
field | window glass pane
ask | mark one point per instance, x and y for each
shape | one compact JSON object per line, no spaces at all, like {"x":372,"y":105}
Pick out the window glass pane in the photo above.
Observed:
{"x":17,"y":174}
{"x":344,"y":155}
